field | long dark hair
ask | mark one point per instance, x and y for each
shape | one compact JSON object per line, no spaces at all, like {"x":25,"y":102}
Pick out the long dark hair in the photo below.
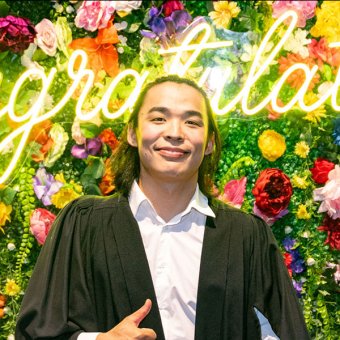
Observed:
{"x":125,"y":161}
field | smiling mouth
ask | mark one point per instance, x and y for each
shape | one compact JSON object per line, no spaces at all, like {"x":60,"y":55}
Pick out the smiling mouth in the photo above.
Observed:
{"x":173,"y":153}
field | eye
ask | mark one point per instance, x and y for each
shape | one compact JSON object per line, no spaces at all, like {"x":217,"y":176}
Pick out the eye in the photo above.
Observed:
{"x":158,"y":119}
{"x":194,"y":123}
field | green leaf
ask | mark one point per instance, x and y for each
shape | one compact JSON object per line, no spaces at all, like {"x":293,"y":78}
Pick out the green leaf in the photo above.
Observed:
{"x":96,"y":168}
{"x":89,"y":130}
{"x":7,"y":195}
{"x":39,"y":55}
{"x":4,"y":8}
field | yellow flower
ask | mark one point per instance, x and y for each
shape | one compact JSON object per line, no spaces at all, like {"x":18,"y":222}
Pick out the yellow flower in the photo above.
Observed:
{"x":302,"y":212}
{"x":64,"y":196}
{"x":299,"y":182}
{"x":315,"y":115}
{"x":327,"y":23}
{"x":272,"y":145}
{"x":224,"y":12}
{"x":5,"y":211}
{"x":11,"y":288}
{"x":301,"y":149}
{"x":60,"y":177}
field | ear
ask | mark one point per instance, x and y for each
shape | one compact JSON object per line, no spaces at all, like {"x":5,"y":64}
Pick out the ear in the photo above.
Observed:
{"x":210,"y":145}
{"x":132,"y":137}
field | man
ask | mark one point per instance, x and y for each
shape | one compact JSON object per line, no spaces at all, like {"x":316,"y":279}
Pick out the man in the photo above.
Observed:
{"x":160,"y":258}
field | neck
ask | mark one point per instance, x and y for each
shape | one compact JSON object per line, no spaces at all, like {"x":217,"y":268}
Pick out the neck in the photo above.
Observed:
{"x":168,"y":198}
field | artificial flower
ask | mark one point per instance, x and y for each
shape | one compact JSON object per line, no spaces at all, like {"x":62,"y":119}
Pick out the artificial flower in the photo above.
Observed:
{"x":321,"y":169}
{"x":272,"y":114}
{"x":46,"y":37}
{"x":337,"y":274}
{"x":166,"y":29}
{"x":16,"y":34}
{"x":5,"y":214}
{"x":296,"y":43}
{"x":64,"y":196}
{"x":304,"y":9}
{"x":310,"y":261}
{"x":272,"y":191}
{"x":234,"y":192}
{"x":301,"y":149}
{"x":270,"y":220}
{"x":93,"y":15}
{"x":60,"y":139}
{"x":64,"y":35}
{"x":41,"y":221}
{"x":324,"y":88}
{"x":289,"y":243}
{"x":302,"y":213}
{"x":330,"y":194}
{"x":336,"y":132}
{"x":11,"y":288}
{"x":224,"y":12}
{"x":272,"y":145}
{"x":2,"y":305}
{"x":77,"y":135}
{"x":123,"y":8}
{"x":327,"y":22}
{"x":297,"y":78}
{"x":45,"y":185}
{"x":26,"y":60}
{"x":108,"y":137}
{"x":92,"y":146}
{"x":332,"y":226}
{"x":315,"y":115}
{"x":299,"y":182}
{"x":323,"y":53}
{"x":298,"y":286}
{"x":170,"y":6}
{"x":106,"y":185}
{"x":102,"y":55}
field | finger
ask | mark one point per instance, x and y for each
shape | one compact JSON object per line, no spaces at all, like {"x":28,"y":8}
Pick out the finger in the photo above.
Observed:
{"x":141,"y":313}
{"x":149,"y":333}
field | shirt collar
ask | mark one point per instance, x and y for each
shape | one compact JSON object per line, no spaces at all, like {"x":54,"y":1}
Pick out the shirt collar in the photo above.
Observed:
{"x":198,"y":202}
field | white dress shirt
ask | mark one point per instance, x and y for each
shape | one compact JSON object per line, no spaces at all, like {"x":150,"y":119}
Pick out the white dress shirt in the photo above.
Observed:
{"x":173,"y":250}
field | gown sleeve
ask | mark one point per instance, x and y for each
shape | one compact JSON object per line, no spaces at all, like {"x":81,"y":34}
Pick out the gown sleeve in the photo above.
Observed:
{"x":274,"y":294}
{"x":57,"y":303}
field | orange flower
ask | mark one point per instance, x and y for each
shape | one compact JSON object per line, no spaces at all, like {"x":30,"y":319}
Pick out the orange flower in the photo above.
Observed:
{"x":273,"y":115}
{"x":40,"y":131}
{"x":106,"y":185}
{"x":108,"y":137}
{"x":297,"y":78}
{"x":100,"y":50}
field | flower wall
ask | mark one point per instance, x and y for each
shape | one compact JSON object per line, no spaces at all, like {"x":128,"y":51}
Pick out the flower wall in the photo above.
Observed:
{"x":283,"y":167}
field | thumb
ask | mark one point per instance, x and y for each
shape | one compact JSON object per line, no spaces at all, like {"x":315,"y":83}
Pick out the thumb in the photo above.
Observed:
{"x":141,"y":313}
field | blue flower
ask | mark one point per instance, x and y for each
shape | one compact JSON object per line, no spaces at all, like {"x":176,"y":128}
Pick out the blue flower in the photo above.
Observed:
{"x":336,"y":133}
{"x":288,"y":243}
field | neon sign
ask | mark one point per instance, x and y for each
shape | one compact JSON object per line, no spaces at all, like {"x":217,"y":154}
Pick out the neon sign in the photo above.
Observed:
{"x":82,"y":75}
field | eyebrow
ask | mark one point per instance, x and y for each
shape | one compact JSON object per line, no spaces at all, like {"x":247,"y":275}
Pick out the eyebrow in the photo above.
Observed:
{"x":165,"y":110}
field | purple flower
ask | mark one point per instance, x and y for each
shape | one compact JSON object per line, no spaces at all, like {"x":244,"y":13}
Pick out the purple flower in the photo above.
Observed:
{"x":92,"y":146}
{"x":45,"y":186}
{"x":288,"y":243}
{"x":166,"y":28}
{"x":336,"y":133}
{"x":298,"y":287}
{"x":298,"y":266}
{"x":16,"y":34}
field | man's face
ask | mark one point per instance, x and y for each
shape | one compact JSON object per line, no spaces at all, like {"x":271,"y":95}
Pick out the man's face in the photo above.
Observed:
{"x":172,"y":133}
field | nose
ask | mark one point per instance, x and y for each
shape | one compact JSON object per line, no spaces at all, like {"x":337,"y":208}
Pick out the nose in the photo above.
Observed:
{"x":174,"y":131}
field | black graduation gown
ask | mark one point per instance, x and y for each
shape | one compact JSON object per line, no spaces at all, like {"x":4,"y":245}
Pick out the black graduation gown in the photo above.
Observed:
{"x":93,"y":271}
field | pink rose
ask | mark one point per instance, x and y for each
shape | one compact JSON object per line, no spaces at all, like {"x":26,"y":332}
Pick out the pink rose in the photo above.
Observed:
{"x":46,"y":37}
{"x":304,"y":9}
{"x":92,"y":15}
{"x":234,"y":192}
{"x":330,"y":194}
{"x":41,"y":222}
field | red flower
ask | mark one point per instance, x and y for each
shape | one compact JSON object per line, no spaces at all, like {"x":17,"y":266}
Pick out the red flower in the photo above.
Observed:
{"x":106,"y":185}
{"x":2,"y":305}
{"x":324,"y":54}
{"x":172,"y":5}
{"x":16,"y":34}
{"x":288,"y":259}
{"x":321,"y":169}
{"x":272,"y":191}
{"x":108,"y":137}
{"x":333,"y":229}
